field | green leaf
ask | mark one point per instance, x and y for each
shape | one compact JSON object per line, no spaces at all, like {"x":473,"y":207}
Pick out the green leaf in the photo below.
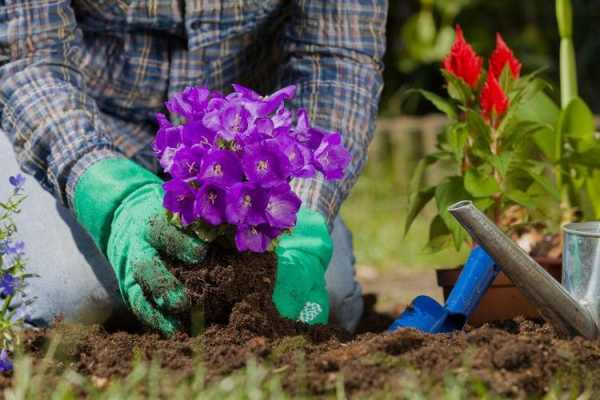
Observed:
{"x":546,"y":183}
{"x":588,"y":158}
{"x":204,"y":231}
{"x":439,"y":235}
{"x":446,"y":194}
{"x":483,"y":204}
{"x":458,"y":88}
{"x":518,"y":132}
{"x":506,"y":78}
{"x":545,"y":140}
{"x":417,"y":201}
{"x":577,"y":121}
{"x":520,"y":198}
{"x":479,"y":130}
{"x":593,"y":192}
{"x":502,"y":162}
{"x":440,"y":103}
{"x":480,"y":184}
{"x":456,"y":139}
{"x":539,"y":108}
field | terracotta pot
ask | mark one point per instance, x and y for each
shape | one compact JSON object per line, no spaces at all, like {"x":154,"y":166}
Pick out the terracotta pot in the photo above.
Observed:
{"x":503,"y":300}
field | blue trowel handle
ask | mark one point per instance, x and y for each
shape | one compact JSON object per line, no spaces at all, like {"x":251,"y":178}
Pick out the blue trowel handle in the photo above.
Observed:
{"x":475,"y":278}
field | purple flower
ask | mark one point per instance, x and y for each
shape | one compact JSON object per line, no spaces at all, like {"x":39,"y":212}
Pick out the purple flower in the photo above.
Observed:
{"x":298,"y":155}
{"x":186,"y":162}
{"x":331,"y":158}
{"x":222,"y":165}
{"x":179,"y":198}
{"x":305,"y":133}
{"x":234,"y":156}
{"x":17,"y":181}
{"x":5,"y":364}
{"x":282,"y":119}
{"x":190,"y":104}
{"x":282,"y":207}
{"x":8,"y":285}
{"x":256,"y":238}
{"x":263,"y":105}
{"x":234,"y":122}
{"x":263,"y":129}
{"x":16,"y":249}
{"x":195,"y":133}
{"x":246,"y":204}
{"x":167,"y":157}
{"x":210,"y":202}
{"x":167,"y":136}
{"x":265,"y":164}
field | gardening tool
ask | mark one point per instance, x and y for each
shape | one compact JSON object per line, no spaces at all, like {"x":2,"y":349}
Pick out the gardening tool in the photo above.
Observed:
{"x":573,"y":309}
{"x":427,"y":315}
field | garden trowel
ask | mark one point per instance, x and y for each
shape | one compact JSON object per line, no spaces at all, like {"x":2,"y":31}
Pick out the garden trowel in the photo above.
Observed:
{"x":427,"y":315}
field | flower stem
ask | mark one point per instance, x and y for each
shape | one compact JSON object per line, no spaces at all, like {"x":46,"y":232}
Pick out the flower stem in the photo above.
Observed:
{"x":568,"y":67}
{"x":495,"y":148}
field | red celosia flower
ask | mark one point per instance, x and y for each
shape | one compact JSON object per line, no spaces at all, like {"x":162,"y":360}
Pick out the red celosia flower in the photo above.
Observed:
{"x":494,"y":102}
{"x":501,"y":56}
{"x":462,"y":61}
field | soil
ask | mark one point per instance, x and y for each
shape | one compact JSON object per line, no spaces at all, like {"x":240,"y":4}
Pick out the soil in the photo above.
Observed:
{"x":232,"y":296}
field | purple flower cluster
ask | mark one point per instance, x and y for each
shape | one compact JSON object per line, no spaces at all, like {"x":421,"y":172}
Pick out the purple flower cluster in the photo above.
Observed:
{"x":232,"y":160}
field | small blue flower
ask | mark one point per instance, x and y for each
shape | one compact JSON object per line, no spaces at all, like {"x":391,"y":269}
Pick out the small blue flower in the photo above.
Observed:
{"x":8,"y":285}
{"x":6,"y":364}
{"x":17,"y":249}
{"x":17,"y":181}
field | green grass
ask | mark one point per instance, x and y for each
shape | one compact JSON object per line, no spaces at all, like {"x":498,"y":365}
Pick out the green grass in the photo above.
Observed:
{"x":256,"y":382}
{"x":376,"y":211}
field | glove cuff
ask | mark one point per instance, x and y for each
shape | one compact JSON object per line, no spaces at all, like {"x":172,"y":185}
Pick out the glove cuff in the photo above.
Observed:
{"x":101,"y":189}
{"x":310,"y":235}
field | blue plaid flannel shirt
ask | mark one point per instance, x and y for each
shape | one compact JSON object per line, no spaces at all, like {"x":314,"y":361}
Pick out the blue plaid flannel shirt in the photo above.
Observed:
{"x":81,"y":80}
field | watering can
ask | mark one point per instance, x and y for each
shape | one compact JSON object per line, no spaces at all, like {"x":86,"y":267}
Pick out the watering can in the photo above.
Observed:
{"x":427,"y":315}
{"x":573,"y":309}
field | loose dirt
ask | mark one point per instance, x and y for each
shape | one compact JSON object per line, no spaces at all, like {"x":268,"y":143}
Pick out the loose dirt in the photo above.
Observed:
{"x":235,"y":319}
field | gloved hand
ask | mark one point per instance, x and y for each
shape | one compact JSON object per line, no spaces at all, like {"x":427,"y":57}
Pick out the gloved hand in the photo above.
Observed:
{"x":302,"y":259}
{"x":120,"y":205}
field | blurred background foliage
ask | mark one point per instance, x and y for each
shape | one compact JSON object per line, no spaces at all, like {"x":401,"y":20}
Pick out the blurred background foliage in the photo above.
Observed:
{"x":419,"y":35}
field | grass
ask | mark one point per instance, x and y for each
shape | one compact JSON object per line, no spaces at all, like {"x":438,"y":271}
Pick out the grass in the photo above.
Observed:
{"x":376,"y":211}
{"x":41,"y":380}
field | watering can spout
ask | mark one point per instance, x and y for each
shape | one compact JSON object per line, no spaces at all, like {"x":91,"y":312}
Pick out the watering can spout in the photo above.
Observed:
{"x":556,"y":305}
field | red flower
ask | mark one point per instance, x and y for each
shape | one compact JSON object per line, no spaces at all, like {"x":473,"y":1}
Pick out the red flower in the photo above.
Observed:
{"x":462,"y":61}
{"x":501,"y":56}
{"x":494,"y":102}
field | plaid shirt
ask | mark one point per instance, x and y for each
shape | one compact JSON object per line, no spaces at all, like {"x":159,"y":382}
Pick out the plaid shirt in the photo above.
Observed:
{"x":81,"y":80}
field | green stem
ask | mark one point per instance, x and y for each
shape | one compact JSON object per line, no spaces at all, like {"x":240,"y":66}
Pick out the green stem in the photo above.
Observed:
{"x":568,"y":72}
{"x":568,"y":67}
{"x":496,"y":151}
{"x":568,"y":87}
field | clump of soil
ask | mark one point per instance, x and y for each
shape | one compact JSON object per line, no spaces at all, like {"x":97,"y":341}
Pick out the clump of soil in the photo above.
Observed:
{"x":514,"y":358}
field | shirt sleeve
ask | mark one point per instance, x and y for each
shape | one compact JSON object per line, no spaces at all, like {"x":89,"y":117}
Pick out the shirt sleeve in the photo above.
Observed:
{"x":55,"y":127}
{"x":333,"y":52}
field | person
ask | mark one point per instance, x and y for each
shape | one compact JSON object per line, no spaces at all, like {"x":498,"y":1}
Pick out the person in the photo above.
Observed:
{"x":80,"y":84}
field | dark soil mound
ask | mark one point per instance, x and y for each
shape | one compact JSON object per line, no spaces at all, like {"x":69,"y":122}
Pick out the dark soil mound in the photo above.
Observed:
{"x":514,"y":358}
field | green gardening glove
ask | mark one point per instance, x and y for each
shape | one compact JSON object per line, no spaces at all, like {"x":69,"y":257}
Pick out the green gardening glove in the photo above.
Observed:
{"x":120,"y":205}
{"x":302,"y":259}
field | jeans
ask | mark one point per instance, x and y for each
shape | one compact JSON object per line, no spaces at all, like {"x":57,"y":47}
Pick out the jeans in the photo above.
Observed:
{"x":73,"y":280}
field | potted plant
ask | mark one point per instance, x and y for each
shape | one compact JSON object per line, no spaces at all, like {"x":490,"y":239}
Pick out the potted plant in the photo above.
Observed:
{"x":521,"y":159}
{"x":229,"y":167}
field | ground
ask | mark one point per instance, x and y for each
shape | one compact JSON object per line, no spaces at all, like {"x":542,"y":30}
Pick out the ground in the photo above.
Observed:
{"x":514,"y":359}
